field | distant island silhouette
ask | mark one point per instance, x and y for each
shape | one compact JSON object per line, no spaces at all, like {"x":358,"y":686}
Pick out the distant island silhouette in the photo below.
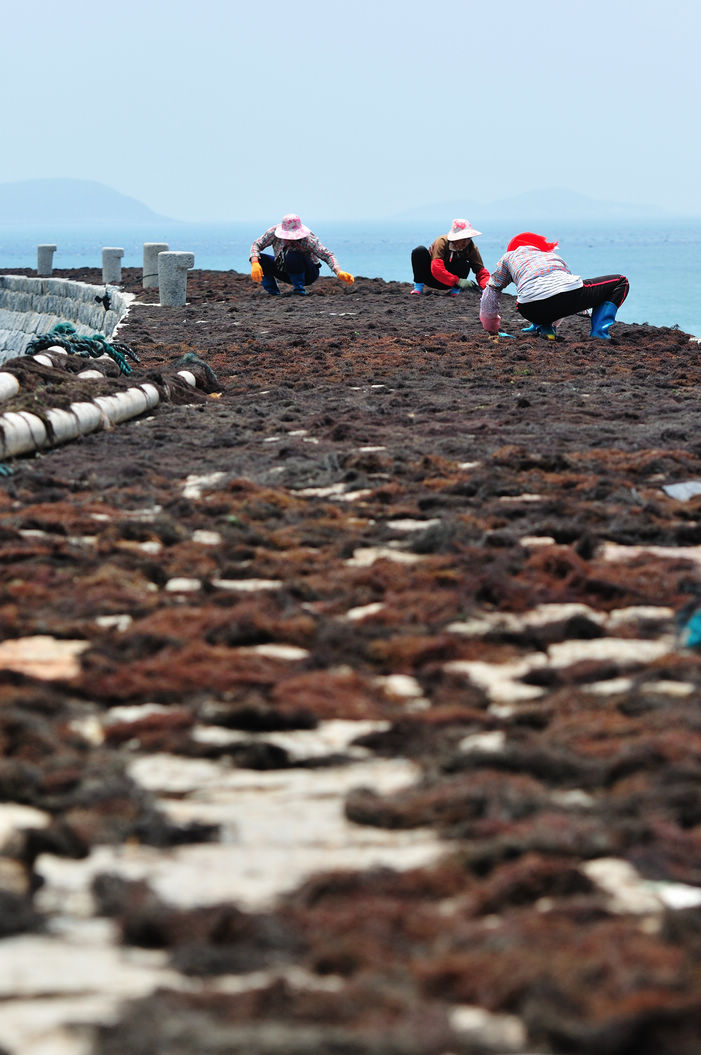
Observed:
{"x":67,"y":201}
{"x":553,"y":203}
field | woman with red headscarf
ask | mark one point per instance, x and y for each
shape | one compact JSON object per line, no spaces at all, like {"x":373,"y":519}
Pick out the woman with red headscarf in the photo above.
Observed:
{"x":547,"y":290}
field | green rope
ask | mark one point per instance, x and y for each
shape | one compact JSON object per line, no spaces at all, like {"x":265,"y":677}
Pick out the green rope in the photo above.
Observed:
{"x":191,"y":357}
{"x":64,"y":335}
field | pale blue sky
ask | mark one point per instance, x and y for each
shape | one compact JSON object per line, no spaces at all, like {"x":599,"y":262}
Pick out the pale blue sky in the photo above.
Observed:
{"x":228,"y":110}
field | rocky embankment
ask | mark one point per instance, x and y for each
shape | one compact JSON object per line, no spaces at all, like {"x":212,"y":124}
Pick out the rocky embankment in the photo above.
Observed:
{"x":30,"y":306}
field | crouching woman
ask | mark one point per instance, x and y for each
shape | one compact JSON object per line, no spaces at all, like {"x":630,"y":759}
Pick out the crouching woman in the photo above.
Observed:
{"x":296,"y":257}
{"x":547,"y":291}
{"x":448,"y":261}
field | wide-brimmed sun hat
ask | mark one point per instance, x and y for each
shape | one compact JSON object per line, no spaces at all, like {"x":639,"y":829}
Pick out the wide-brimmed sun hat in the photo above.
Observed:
{"x":461,"y":229}
{"x":291,"y":227}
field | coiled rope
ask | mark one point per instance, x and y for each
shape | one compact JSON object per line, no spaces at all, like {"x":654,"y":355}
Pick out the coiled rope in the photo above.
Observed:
{"x":64,"y":335}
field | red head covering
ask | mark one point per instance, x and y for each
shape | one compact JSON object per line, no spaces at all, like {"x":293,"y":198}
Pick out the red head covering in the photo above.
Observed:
{"x":535,"y":240}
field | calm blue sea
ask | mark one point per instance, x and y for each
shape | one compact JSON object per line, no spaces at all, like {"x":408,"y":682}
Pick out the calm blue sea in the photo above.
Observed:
{"x":661,"y":259}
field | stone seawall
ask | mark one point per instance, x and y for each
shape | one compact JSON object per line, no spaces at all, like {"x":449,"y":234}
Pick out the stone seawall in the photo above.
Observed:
{"x":33,"y":306}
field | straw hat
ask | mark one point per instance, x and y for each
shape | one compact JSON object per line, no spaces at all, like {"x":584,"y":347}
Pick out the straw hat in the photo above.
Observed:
{"x":461,"y":229}
{"x":291,"y":227}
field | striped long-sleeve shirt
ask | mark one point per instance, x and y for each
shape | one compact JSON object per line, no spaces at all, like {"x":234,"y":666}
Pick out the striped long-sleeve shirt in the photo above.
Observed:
{"x":535,"y":274}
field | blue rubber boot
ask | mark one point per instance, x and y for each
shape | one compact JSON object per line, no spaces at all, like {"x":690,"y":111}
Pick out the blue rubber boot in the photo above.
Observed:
{"x":270,"y":285}
{"x":297,"y":281}
{"x":602,"y":319}
{"x":541,"y":331}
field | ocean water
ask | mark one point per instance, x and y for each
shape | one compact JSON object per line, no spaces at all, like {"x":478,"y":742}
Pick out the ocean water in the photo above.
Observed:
{"x":661,"y":259}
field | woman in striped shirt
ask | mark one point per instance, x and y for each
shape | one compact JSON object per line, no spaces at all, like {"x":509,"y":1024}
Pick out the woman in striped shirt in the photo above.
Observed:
{"x":547,"y":290}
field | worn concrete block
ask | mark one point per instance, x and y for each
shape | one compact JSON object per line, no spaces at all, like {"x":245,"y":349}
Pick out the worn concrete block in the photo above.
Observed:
{"x":150,"y":268}
{"x":172,"y":277}
{"x":112,"y":264}
{"x":45,"y":259}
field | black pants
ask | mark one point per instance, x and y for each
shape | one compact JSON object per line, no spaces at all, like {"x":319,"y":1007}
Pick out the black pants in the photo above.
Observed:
{"x":421,"y":266}
{"x":594,"y":292}
{"x":296,"y":263}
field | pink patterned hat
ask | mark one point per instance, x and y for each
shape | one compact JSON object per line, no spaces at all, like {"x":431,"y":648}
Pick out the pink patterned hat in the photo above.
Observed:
{"x":291,"y":227}
{"x":461,"y":229}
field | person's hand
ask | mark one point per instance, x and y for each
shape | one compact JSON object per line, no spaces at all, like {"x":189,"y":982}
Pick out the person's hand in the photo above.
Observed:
{"x":345,"y":277}
{"x":490,"y":323}
{"x":256,"y":271}
{"x":466,"y":283}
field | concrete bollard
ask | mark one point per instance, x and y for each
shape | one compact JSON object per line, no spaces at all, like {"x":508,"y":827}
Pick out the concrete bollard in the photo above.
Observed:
{"x":112,"y":265}
{"x":151,"y":251}
{"x":172,"y":277}
{"x":45,"y":259}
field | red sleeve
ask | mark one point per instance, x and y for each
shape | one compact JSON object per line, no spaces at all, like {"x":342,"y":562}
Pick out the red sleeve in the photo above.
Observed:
{"x":440,"y":272}
{"x":482,"y":277}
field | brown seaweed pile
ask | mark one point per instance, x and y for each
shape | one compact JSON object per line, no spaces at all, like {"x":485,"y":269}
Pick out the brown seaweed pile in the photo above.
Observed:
{"x":376,"y":514}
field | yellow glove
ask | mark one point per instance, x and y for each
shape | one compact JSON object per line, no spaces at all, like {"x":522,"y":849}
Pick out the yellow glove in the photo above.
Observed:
{"x":345,"y":277}
{"x":256,"y":271}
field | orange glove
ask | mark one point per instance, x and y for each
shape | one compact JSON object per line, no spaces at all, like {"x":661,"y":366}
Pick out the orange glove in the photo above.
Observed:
{"x":345,"y":277}
{"x":256,"y":271}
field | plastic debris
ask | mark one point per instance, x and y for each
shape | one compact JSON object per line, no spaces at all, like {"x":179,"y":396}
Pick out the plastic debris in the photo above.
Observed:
{"x":684,"y":491}
{"x":690,"y":631}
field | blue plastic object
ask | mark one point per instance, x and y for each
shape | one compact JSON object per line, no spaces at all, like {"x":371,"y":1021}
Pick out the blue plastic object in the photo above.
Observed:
{"x":690,"y":632}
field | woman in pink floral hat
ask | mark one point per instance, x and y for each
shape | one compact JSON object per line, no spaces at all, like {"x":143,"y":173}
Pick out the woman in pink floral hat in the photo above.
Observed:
{"x":296,"y":257}
{"x":448,"y":261}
